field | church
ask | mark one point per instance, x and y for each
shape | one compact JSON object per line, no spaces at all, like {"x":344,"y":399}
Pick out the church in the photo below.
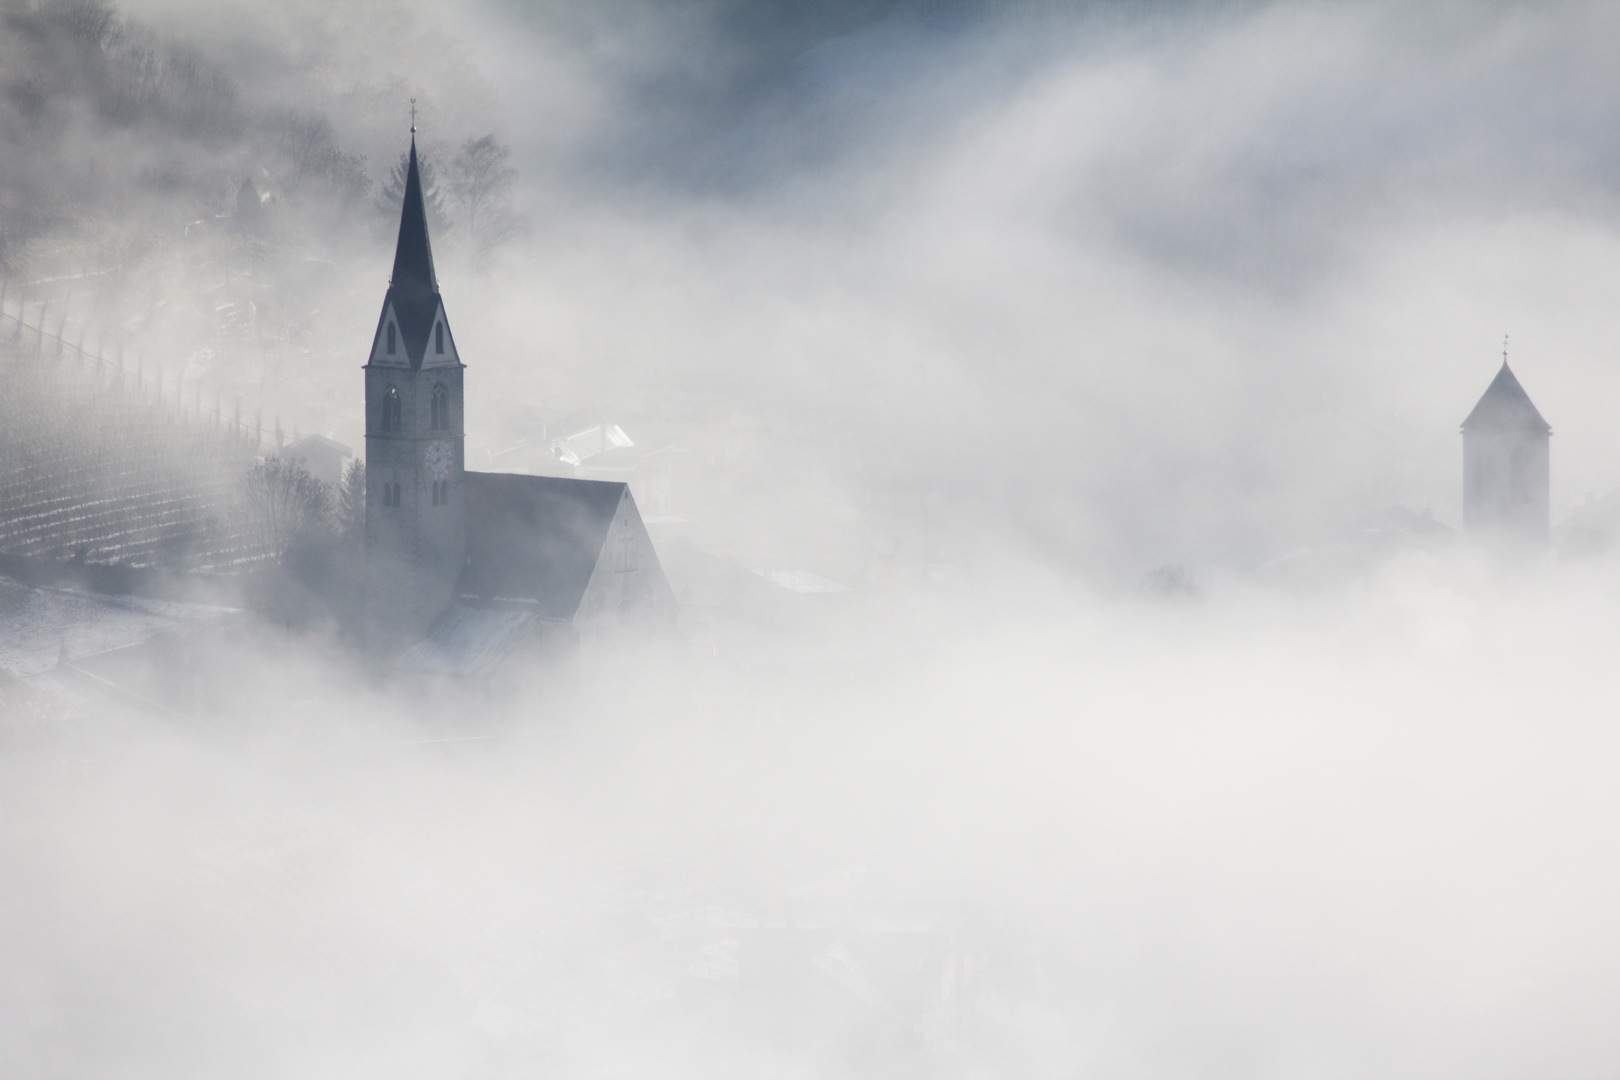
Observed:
{"x":463,"y":568}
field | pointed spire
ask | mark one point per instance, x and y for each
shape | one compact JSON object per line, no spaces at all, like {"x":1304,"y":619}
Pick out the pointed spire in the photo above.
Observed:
{"x":1505,"y":405}
{"x":413,"y":279}
{"x":413,"y":291}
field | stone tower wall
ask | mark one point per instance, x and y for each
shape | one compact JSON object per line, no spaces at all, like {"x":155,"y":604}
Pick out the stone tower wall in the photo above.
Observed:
{"x":414,"y":551}
{"x":1506,"y":490}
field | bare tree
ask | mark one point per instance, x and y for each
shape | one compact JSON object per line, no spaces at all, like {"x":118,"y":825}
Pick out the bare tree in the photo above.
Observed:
{"x":308,"y":148}
{"x":481,"y":179}
{"x":283,"y":502}
{"x":303,"y":140}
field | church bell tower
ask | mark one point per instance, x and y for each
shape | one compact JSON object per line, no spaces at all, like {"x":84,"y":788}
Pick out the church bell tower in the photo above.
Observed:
{"x":1506,"y":465}
{"x":415,"y":465}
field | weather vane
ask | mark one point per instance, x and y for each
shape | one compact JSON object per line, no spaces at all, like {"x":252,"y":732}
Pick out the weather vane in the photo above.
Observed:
{"x":413,"y":116}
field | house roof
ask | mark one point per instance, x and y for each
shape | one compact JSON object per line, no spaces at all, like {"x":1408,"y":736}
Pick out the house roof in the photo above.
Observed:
{"x":590,"y":443}
{"x":468,"y":641}
{"x":1506,"y":407}
{"x":320,"y":441}
{"x":535,"y":540}
{"x":413,"y":290}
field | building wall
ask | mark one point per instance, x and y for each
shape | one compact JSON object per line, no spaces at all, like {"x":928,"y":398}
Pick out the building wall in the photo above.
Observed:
{"x":1506,"y":490}
{"x":628,"y":591}
{"x":414,"y":551}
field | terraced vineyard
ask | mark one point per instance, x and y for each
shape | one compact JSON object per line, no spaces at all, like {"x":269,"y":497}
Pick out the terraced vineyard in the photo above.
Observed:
{"x":96,"y":466}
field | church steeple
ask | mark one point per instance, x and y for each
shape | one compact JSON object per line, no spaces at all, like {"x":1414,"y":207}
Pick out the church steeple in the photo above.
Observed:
{"x":413,"y":302}
{"x":413,"y":254}
{"x":1506,"y":464}
{"x":415,"y":459}
{"x":1505,"y":405}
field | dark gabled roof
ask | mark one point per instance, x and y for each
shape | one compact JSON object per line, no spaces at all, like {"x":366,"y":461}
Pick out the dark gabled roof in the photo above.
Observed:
{"x":1506,"y":407}
{"x":414,"y":288}
{"x":535,"y":539}
{"x":468,"y":641}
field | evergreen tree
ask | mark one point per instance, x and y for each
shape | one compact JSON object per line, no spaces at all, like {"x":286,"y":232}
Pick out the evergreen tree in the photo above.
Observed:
{"x":391,"y":196}
{"x":352,"y":503}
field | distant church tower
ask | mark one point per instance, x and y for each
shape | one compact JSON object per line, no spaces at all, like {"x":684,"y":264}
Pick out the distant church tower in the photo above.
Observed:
{"x":415,"y":465}
{"x":1505,"y":464}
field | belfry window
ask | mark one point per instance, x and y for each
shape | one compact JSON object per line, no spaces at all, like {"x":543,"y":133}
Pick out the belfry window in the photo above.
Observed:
{"x":441,"y":493}
{"x":440,"y":409}
{"x":391,"y":414}
{"x":390,"y":339}
{"x":390,"y":494}
{"x":438,"y":338}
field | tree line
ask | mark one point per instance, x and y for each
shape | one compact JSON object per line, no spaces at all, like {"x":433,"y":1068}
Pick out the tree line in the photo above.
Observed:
{"x":181,"y":136}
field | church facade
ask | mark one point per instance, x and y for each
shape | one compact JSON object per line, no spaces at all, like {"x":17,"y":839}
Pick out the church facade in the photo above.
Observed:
{"x":463,"y":568}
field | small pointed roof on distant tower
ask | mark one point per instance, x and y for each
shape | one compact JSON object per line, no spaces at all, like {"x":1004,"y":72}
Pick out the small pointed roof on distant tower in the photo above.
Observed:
{"x":414,"y":288}
{"x":1506,"y":407}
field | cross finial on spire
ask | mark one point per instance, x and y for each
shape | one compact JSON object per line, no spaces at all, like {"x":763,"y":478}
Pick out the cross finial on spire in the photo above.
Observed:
{"x":1504,"y":347}
{"x":413,"y":116}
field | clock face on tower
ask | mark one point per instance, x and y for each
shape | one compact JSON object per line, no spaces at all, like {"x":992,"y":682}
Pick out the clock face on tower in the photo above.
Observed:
{"x":437,"y":460}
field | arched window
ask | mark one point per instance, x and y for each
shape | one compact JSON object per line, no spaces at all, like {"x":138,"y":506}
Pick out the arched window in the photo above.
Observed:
{"x":390,"y":339}
{"x":396,"y":492}
{"x":440,"y":410}
{"x":391,"y":415}
{"x":390,"y":494}
{"x":438,"y":337}
{"x":441,"y":493}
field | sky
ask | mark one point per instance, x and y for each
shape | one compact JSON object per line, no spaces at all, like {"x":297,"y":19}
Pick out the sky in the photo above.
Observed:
{"x":1185,"y":283}
{"x":1157,"y":284}
{"x":1094,"y":290}
{"x":1123,"y":285}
